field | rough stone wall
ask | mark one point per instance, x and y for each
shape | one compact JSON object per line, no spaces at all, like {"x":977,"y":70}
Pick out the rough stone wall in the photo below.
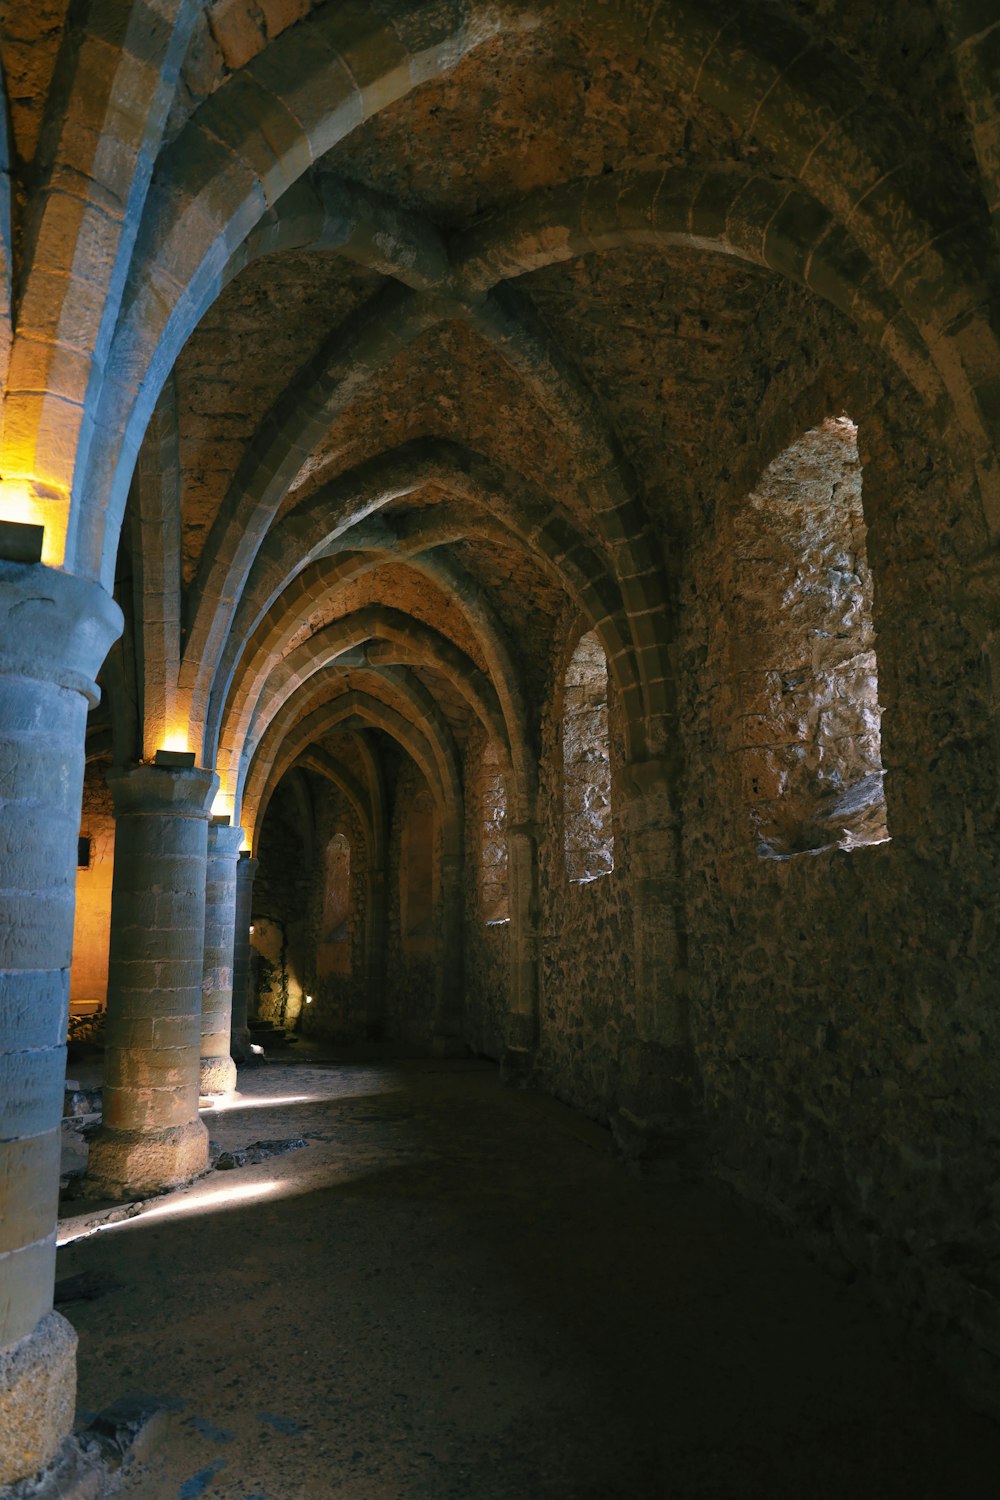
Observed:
{"x":842,"y":1011}
{"x":487,"y":932}
{"x":586,"y":1001}
{"x":88,"y":980}
{"x":339,"y":982}
{"x":412,"y":964}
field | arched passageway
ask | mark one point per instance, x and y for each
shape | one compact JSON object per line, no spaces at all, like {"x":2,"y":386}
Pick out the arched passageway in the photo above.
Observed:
{"x":498,"y":513}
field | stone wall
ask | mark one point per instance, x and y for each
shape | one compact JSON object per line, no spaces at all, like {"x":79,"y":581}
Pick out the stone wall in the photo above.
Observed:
{"x":586,"y":1000}
{"x":487,"y":901}
{"x":413,"y":956}
{"x":842,"y":1013}
{"x":337,"y":919}
{"x":88,"y":982}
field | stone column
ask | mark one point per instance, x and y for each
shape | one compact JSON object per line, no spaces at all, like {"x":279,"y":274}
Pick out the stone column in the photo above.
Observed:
{"x":246,"y":869}
{"x":152,"y":1137}
{"x":55,"y":631}
{"x":218,"y":1071}
{"x":522,"y":1015}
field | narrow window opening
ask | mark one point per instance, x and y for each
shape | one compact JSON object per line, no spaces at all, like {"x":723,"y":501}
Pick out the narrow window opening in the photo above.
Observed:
{"x":807,"y":721}
{"x":83,"y":853}
{"x":589,"y":841}
{"x":493,"y":848}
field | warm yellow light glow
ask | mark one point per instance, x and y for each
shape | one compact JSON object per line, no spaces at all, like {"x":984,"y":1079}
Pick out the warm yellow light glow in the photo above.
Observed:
{"x":35,"y":504}
{"x":222,"y":807}
{"x":245,"y":846}
{"x":309,"y":999}
{"x":176,"y":740}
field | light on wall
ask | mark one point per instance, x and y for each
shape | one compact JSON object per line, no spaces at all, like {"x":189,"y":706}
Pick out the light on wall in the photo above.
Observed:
{"x":222,"y":807}
{"x":309,"y":999}
{"x":177,"y":740}
{"x":37,"y":508}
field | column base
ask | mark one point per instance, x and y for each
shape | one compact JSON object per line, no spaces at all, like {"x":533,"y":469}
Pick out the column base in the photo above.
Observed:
{"x":239,"y":1045}
{"x":138,"y":1163}
{"x":517,"y":1068}
{"x":216,"y":1077}
{"x":37,"y":1397}
{"x":657,"y":1126}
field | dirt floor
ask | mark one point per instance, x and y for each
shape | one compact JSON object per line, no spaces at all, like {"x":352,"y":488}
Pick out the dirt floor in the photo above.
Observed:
{"x":453,"y":1291}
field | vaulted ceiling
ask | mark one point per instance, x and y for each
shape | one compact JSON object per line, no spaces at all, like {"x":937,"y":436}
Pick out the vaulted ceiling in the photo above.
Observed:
{"x":450,"y":380}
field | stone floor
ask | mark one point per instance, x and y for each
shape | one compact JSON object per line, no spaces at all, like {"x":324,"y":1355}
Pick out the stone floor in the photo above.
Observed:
{"x":454,"y":1291}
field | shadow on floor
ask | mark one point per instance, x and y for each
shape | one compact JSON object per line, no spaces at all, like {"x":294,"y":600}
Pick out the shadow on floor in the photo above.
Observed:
{"x":454,"y":1291}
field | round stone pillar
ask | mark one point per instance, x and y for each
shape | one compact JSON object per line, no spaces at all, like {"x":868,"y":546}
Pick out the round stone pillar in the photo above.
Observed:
{"x":55,"y":631}
{"x":246,"y":869}
{"x":151,"y":1136}
{"x":217,"y":1069}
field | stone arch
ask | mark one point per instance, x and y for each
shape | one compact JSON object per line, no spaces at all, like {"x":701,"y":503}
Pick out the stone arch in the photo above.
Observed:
{"x":400,"y":690}
{"x":868,"y":166}
{"x":216,"y":181}
{"x":107,"y":107}
{"x":324,"y":212}
{"x":320,"y":582}
{"x":726,"y":210}
{"x":288,"y":736}
{"x":213,"y":185}
{"x":374,"y":627}
{"x":501,"y":497}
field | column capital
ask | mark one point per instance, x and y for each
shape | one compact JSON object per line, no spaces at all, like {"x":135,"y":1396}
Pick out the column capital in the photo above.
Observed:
{"x":55,"y":627}
{"x":162,"y":791}
{"x":246,"y":865}
{"x":224,"y":840}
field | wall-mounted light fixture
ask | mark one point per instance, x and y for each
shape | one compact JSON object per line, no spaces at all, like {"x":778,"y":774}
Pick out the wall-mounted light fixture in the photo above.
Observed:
{"x":28,"y":502}
{"x":174,"y":760}
{"x":309,"y":999}
{"x":21,"y":541}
